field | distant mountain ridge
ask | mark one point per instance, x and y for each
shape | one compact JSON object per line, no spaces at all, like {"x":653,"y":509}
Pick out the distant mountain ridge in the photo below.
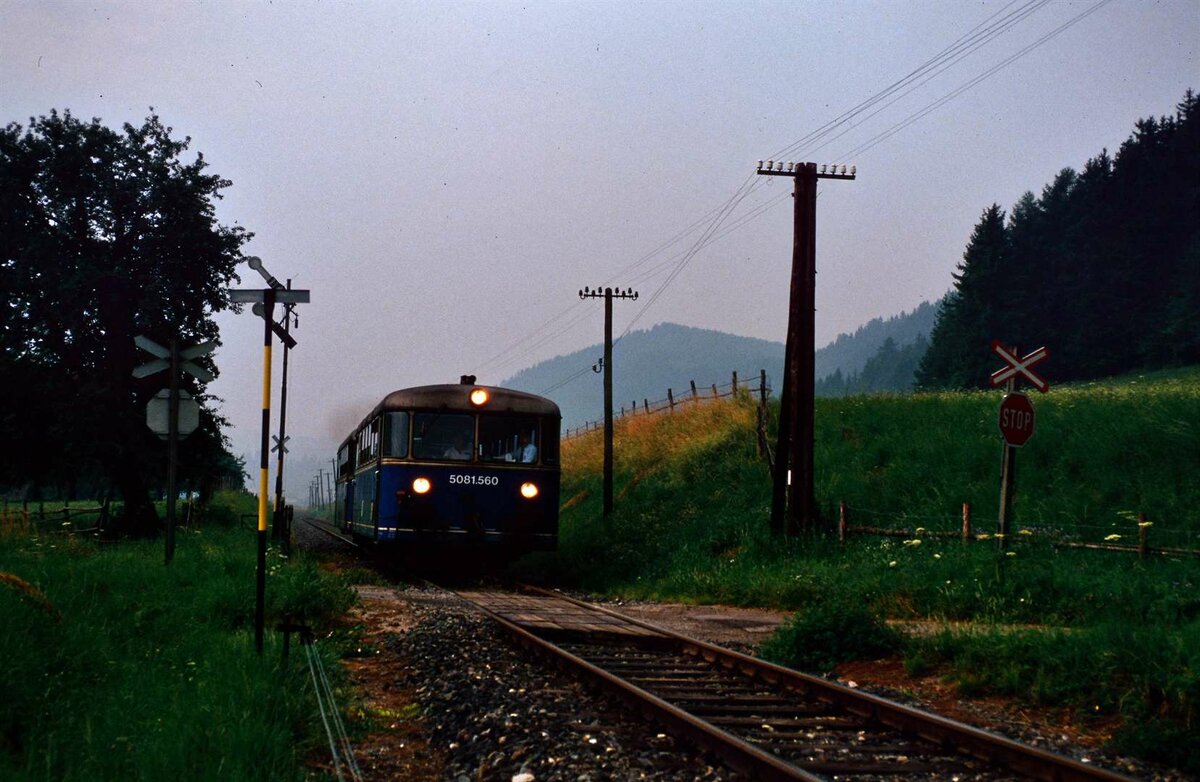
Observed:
{"x":851,"y":352}
{"x":648,"y":362}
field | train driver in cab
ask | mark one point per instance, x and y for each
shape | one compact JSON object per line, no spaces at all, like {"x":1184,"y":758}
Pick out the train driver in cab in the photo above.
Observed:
{"x":526,"y":451}
{"x":461,"y":450}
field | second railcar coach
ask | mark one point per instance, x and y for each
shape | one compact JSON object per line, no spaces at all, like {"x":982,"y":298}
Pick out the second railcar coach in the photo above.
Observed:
{"x":453,"y":466}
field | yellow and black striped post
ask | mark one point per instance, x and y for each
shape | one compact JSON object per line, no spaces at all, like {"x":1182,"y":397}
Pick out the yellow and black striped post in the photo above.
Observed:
{"x":261,"y":590}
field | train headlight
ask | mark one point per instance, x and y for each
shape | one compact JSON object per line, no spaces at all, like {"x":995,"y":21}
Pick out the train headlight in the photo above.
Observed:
{"x":479,"y":397}
{"x":529,"y":490}
{"x":421,"y":485}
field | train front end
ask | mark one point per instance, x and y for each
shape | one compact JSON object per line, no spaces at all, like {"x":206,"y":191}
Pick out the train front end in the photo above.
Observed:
{"x":454,"y":467}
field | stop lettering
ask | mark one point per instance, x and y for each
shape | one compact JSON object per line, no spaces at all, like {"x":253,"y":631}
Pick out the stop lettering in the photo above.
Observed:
{"x":1016,"y":419}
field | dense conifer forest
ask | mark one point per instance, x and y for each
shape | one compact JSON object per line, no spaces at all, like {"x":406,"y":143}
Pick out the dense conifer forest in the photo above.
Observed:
{"x":1103,"y":267}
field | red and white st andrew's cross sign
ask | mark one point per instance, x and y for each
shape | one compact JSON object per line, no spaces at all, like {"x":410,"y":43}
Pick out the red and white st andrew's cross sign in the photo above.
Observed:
{"x":1019,"y":367}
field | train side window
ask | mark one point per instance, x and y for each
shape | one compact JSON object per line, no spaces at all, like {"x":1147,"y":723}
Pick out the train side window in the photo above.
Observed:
{"x":443,"y":436}
{"x":509,"y":439}
{"x":397,"y":435}
{"x":368,"y":442}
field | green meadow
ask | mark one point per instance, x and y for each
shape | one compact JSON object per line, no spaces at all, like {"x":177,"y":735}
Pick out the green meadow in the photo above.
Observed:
{"x":1109,"y":635}
{"x":116,"y":667}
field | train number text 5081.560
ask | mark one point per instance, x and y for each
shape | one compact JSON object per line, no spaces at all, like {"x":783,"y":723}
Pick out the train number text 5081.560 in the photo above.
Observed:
{"x":475,"y":480}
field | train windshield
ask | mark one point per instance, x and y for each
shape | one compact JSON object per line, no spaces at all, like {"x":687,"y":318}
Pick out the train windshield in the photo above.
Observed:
{"x":509,"y":438}
{"x":443,"y":436}
{"x":396,"y":443}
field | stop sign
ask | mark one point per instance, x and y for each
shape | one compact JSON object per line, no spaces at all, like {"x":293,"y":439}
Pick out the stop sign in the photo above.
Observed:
{"x":1016,"y":419}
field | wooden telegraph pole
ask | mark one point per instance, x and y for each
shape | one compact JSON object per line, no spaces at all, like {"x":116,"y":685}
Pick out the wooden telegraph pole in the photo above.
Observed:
{"x":608,"y":295}
{"x":793,"y":503}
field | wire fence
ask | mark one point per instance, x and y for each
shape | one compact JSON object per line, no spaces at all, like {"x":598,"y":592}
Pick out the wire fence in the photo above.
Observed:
{"x":749,"y":383}
{"x":1129,"y":533}
{"x":27,"y":518}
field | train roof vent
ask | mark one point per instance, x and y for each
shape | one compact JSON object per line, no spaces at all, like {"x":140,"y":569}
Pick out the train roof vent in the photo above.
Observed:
{"x":467,"y":380}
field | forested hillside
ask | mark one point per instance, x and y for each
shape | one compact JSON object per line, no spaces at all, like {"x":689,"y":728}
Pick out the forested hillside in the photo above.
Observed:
{"x":1103,"y":268}
{"x":647,"y":363}
{"x":849,"y":354}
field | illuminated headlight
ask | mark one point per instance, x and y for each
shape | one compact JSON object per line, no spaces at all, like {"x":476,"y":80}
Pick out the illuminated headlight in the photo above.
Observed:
{"x":421,"y":485}
{"x":479,"y":396}
{"x":529,"y":490}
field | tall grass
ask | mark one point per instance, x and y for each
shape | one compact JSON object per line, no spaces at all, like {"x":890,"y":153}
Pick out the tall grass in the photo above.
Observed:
{"x":148,"y":671}
{"x":691,"y":524}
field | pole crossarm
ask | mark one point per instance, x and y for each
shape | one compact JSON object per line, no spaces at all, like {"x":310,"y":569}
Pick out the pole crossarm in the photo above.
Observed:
{"x":827,"y":170}
{"x":600,"y":293}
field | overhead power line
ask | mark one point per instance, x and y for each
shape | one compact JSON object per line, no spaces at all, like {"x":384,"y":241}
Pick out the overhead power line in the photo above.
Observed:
{"x":714,"y":223}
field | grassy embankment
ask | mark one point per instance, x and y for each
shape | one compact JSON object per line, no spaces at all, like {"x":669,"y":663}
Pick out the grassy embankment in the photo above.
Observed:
{"x":116,"y":667}
{"x":1109,"y":635}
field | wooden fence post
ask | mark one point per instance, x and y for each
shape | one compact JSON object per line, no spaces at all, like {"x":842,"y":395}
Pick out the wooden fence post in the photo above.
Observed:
{"x":966,"y":530}
{"x":646,"y":405}
{"x":716,"y":395}
{"x":735,"y":382}
{"x":695,"y":395}
{"x":670,"y":401}
{"x":842,"y":521}
{"x":1142,"y":533}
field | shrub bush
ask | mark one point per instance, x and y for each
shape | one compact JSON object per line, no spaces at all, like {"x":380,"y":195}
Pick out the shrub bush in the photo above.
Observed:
{"x":829,"y":633}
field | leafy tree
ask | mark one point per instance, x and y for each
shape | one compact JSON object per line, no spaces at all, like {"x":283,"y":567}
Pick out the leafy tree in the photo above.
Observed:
{"x":104,"y":235}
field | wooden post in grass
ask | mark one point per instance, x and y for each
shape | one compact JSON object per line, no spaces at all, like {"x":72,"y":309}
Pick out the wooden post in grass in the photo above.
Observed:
{"x":735,"y":382}
{"x":670,"y":401}
{"x":1142,"y":547}
{"x":966,"y":529}
{"x":842,"y":521}
{"x":646,"y":405}
{"x":695,"y":395}
{"x":716,"y":394}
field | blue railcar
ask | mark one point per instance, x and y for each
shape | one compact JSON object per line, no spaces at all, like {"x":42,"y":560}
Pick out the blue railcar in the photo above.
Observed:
{"x":459,"y":466}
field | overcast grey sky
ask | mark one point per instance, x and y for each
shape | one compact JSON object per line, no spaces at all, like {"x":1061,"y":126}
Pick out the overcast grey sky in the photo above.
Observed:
{"x":445,"y":176}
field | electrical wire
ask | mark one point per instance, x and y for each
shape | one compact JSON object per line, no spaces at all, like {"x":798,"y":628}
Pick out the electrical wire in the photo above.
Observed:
{"x":937,"y":104}
{"x":340,"y":748}
{"x":714,"y":221}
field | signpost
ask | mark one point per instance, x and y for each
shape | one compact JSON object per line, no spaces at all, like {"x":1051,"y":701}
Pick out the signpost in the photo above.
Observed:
{"x":1016,"y":420}
{"x":172,"y":413}
{"x":264,"y":302}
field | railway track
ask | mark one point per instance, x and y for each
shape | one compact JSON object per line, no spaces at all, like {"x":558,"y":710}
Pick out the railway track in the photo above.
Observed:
{"x":768,"y":722}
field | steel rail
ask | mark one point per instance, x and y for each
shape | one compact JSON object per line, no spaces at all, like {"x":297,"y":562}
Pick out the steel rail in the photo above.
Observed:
{"x":949,"y":734}
{"x":739,"y":754}
{"x":331,"y":532}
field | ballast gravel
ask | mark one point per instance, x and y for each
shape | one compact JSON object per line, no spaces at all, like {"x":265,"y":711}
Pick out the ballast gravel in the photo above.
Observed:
{"x":499,"y":714}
